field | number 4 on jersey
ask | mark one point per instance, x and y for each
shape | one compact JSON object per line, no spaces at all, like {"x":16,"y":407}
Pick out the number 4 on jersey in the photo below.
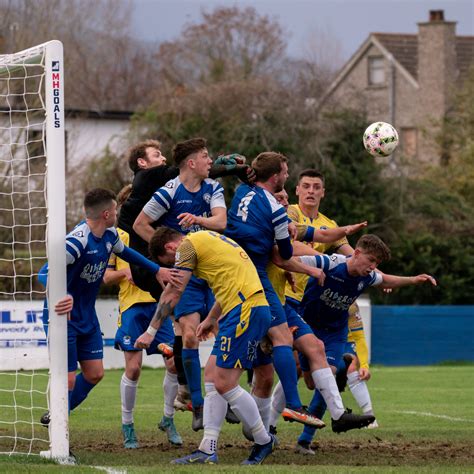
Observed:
{"x":244,"y":205}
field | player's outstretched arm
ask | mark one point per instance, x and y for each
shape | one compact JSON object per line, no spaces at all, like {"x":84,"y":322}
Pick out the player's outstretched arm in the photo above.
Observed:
{"x":331,"y":235}
{"x":295,"y":265}
{"x":395,"y":281}
{"x":232,"y":165}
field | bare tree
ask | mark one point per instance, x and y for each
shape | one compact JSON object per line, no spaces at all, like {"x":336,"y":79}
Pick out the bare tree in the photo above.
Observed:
{"x":227,"y":44}
{"x":106,"y":68}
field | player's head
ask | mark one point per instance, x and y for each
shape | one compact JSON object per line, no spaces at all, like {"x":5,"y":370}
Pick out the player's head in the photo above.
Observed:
{"x":271,"y":168}
{"x":100,"y":205}
{"x":145,"y":155}
{"x":163,"y":245}
{"x":282,"y":198}
{"x":193,"y":155}
{"x":310,"y":188}
{"x":369,"y":252}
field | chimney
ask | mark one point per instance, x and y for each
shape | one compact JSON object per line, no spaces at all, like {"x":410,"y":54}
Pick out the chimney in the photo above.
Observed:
{"x":437,"y":66}
{"x":436,"y":15}
{"x":437,"y":61}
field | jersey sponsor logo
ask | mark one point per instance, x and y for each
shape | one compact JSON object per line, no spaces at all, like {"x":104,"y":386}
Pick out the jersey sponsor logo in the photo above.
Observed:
{"x":333,"y":258}
{"x":207,"y":198}
{"x":93,"y":272}
{"x":89,"y":252}
{"x":184,"y":201}
{"x":335,"y":300}
{"x":78,"y":233}
{"x":169,"y":185}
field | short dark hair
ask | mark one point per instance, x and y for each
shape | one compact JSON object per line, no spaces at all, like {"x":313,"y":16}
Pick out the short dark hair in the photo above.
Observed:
{"x":371,"y":243}
{"x":139,"y":151}
{"x":182,"y":150}
{"x":310,"y":173}
{"x":267,"y":164}
{"x":160,"y":238}
{"x":97,"y":200}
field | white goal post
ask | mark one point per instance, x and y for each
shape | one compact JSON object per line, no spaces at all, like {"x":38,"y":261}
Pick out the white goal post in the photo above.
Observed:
{"x":32,"y":230}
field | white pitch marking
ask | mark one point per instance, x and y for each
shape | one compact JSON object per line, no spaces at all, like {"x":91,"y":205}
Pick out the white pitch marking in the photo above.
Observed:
{"x":110,"y":470}
{"x":425,"y":413}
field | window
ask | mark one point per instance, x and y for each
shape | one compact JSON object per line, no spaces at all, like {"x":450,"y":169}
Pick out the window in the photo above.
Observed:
{"x":409,"y":142}
{"x":376,"y":71}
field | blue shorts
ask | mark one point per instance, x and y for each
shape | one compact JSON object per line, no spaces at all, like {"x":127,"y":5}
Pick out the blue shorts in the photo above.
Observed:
{"x":83,"y":347}
{"x":276,"y":308}
{"x":292,"y":303}
{"x":294,"y":319}
{"x":197,"y":298}
{"x":240,"y":333}
{"x":334,"y":344}
{"x":350,"y":348}
{"x":134,"y":322}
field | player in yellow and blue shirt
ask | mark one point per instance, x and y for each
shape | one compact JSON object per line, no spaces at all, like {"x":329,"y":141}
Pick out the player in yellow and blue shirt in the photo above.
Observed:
{"x":136,"y":308}
{"x":232,"y":276}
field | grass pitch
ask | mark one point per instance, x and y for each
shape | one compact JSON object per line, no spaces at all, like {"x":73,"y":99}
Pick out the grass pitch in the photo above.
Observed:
{"x":426,"y":419}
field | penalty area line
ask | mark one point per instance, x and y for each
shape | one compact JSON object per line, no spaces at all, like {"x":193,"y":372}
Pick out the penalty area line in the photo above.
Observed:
{"x":110,"y":470}
{"x":426,"y":413}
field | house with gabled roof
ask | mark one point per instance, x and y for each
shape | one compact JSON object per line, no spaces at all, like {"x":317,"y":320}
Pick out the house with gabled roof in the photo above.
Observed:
{"x":407,"y":80}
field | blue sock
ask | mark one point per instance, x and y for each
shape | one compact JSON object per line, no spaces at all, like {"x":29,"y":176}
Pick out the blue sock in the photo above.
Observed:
{"x":69,"y":405}
{"x":317,"y":407}
{"x":81,"y":389}
{"x":192,"y":369}
{"x":285,"y":367}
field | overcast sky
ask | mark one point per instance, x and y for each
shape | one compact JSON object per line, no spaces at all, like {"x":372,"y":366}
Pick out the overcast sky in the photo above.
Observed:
{"x":347,"y":21}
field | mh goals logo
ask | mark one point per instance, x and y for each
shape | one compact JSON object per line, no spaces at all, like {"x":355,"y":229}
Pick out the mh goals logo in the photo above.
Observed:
{"x":56,"y":76}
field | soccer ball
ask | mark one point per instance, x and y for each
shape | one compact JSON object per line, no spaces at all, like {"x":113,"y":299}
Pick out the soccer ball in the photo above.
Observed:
{"x":380,"y":139}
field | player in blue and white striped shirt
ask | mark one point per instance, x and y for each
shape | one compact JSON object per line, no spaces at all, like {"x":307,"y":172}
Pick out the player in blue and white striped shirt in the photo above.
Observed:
{"x":88,"y":248}
{"x":188,"y":203}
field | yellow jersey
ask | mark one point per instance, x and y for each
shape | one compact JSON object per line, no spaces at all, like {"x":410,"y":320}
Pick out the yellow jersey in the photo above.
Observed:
{"x":224,"y":265}
{"x":320,"y":222}
{"x":129,"y":294}
{"x":357,"y":336}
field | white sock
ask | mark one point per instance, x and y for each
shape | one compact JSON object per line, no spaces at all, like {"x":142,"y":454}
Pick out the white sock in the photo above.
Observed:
{"x":244,"y":406}
{"x":128,"y":395}
{"x":278,"y":404}
{"x":264,"y":405}
{"x":360,"y":391}
{"x":325,"y":382}
{"x":170,"y":390}
{"x":215,"y":408}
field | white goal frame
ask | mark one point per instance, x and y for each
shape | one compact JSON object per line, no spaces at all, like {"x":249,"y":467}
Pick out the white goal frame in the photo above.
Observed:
{"x":52,"y":55}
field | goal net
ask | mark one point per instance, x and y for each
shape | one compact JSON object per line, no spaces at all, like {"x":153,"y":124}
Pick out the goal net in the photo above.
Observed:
{"x":32,"y":231}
